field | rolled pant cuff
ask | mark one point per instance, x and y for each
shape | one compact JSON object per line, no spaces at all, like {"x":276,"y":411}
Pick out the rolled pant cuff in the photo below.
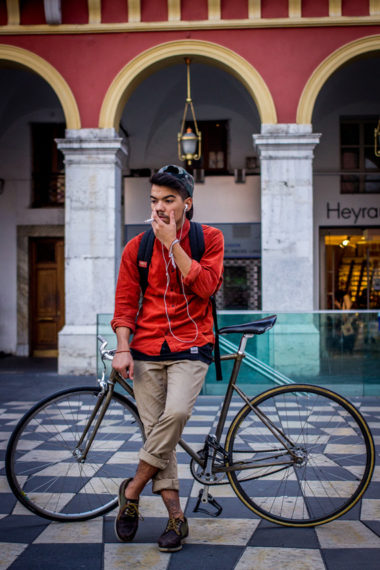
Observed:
{"x":165,"y":484}
{"x":152,"y":460}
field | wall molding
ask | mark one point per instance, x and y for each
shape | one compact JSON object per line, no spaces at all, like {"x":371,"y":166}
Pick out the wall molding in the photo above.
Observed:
{"x":135,"y":24}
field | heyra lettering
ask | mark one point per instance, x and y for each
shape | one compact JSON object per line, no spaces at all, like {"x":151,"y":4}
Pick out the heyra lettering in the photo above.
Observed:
{"x":354,"y":214}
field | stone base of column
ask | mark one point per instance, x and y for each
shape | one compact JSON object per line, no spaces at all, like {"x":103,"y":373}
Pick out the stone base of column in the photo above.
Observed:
{"x":77,"y":350}
{"x":22,"y":349}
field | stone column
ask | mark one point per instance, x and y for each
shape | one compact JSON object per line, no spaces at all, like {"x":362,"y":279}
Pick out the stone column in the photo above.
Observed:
{"x":93,"y":160}
{"x":286,"y":155}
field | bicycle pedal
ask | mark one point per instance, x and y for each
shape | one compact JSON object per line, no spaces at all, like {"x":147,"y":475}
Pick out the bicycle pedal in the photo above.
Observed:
{"x":212,"y":442}
{"x":210,"y":501}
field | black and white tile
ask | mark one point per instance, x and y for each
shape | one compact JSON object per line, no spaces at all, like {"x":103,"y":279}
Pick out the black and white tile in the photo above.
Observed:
{"x":237,"y":539}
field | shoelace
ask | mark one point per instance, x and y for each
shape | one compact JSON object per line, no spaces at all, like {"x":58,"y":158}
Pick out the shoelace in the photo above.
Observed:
{"x":174,"y":524}
{"x":132,"y":510}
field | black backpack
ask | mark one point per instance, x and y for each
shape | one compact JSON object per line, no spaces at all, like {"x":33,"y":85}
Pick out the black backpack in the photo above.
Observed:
{"x":197,"y":246}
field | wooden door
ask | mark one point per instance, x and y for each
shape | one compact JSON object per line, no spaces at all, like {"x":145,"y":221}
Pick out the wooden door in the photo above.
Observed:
{"x":47,"y":310}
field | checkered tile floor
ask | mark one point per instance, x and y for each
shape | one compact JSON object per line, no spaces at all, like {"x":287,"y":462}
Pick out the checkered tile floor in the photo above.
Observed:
{"x":237,"y":539}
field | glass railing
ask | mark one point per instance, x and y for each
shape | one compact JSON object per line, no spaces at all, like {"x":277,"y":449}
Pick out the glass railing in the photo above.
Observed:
{"x":338,"y":350}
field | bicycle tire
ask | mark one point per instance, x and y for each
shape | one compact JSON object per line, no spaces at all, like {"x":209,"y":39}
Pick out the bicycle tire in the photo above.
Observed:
{"x":42,"y":471}
{"x":335,"y":448}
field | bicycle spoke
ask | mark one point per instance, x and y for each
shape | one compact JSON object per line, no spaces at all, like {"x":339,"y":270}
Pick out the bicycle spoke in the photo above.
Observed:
{"x":45,"y":473}
{"x":329,"y":440}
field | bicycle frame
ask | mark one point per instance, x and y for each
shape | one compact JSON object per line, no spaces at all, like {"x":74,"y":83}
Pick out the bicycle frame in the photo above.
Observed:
{"x":285,"y":444}
{"x":280,"y":436}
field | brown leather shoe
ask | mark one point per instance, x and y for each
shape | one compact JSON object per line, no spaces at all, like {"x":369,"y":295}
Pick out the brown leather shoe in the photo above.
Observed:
{"x":127,"y":520}
{"x":172,"y":537}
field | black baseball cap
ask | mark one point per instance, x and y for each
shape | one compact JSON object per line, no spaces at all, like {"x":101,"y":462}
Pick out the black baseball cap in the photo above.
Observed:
{"x":181,"y":175}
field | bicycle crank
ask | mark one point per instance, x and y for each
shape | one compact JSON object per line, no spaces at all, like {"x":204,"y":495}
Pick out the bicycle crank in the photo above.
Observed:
{"x":200,"y":475}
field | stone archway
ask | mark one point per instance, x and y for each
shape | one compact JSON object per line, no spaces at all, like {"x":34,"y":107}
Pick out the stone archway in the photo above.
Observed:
{"x":40,"y":66}
{"x":327,"y":68}
{"x":207,"y":52}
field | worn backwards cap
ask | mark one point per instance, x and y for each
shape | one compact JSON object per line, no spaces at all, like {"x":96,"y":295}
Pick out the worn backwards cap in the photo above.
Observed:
{"x":181,"y":175}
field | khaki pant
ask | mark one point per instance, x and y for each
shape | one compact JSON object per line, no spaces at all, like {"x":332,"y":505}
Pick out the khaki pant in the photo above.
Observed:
{"x":165,"y":394}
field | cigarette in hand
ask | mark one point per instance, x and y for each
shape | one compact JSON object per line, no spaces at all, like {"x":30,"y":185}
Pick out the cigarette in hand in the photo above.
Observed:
{"x":148,"y":221}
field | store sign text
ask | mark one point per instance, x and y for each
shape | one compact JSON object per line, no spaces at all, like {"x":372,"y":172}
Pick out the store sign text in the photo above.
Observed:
{"x":356,"y":214}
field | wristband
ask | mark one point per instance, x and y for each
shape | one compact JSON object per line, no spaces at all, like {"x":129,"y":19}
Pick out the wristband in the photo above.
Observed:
{"x":118,"y":351}
{"x":171,"y":255}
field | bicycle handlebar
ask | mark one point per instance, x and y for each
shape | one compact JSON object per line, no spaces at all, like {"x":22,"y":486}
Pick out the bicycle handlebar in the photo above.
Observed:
{"x":105,"y":354}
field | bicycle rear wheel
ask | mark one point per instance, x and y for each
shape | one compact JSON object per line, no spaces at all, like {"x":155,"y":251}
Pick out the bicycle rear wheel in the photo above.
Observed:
{"x":43,"y":471}
{"x":334,"y":453}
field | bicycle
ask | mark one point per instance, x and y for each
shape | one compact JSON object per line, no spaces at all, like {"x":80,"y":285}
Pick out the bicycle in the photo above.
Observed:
{"x":297,"y":455}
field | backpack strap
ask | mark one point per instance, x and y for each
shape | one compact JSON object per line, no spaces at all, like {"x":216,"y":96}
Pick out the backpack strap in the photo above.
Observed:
{"x":144,"y":256}
{"x":218,"y":364}
{"x":197,"y":246}
{"x":197,"y":241}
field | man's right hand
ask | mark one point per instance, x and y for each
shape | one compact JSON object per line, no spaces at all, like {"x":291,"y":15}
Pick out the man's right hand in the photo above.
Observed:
{"x":123,"y":364}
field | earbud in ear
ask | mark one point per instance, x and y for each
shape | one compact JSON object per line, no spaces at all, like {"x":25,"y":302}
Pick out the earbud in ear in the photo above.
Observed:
{"x":185,"y":207}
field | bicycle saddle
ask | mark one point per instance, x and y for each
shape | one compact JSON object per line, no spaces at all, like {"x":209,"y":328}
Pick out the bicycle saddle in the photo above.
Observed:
{"x":256,"y":327}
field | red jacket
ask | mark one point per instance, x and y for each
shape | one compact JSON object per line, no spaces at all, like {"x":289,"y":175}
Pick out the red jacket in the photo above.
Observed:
{"x":151,"y":327}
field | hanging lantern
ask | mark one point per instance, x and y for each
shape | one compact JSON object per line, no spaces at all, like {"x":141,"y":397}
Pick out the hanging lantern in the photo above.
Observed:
{"x":189,"y":142}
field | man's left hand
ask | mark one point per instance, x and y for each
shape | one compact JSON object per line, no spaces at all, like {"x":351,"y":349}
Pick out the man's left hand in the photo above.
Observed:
{"x":166,"y":233}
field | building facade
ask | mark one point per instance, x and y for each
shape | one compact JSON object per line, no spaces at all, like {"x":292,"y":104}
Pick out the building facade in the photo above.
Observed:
{"x":287,"y":96}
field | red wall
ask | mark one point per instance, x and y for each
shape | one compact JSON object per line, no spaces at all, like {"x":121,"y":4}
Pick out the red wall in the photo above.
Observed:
{"x":313,"y":9}
{"x":114,"y":11}
{"x":32,"y":12}
{"x":238,"y":9}
{"x":3,"y":13}
{"x":194,"y":10}
{"x":74,"y":12}
{"x":285,"y":58}
{"x":154,"y":11}
{"x":355,"y":8}
{"x":274,"y":8}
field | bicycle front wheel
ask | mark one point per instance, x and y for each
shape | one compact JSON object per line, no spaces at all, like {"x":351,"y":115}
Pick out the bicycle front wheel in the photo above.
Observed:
{"x":326,"y":468}
{"x":41,"y":464}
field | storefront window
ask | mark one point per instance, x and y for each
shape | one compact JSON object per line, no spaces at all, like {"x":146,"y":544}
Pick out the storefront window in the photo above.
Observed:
{"x":359,"y":165}
{"x":352,"y":269}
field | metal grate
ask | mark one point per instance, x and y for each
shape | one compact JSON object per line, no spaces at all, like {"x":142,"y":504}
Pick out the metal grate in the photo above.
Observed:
{"x":241,"y":287}
{"x":48,"y":189}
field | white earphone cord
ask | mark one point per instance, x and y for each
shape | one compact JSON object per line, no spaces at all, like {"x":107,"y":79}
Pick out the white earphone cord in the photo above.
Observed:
{"x":183,"y":292}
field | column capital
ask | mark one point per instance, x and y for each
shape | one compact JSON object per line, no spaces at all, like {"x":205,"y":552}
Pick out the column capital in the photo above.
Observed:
{"x":286,"y":141}
{"x":89,"y":146}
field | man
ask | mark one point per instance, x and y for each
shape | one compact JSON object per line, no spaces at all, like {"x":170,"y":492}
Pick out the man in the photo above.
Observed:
{"x":172,"y":344}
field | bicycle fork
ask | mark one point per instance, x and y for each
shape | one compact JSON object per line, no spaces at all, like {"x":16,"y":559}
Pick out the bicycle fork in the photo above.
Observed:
{"x":102,"y":403}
